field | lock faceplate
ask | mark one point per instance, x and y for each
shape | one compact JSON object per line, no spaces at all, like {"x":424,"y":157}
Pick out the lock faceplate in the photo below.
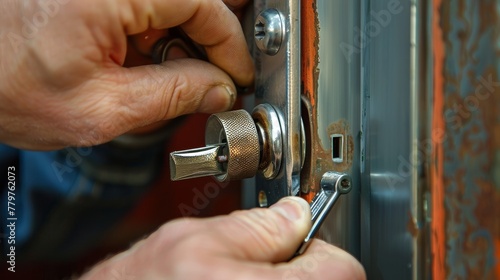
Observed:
{"x":278,"y":84}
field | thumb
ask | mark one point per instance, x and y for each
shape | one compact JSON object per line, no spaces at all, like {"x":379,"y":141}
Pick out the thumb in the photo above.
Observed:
{"x":264,"y":235}
{"x":177,"y":87}
{"x":146,"y":94}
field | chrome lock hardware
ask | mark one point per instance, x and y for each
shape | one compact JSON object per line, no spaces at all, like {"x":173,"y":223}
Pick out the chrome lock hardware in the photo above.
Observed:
{"x":238,"y":145}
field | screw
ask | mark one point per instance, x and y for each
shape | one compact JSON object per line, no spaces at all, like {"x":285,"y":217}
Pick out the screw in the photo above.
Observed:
{"x":268,"y":32}
{"x":345,"y":185}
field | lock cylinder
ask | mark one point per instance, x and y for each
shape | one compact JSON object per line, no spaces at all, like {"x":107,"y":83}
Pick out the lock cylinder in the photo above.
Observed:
{"x":238,"y":145}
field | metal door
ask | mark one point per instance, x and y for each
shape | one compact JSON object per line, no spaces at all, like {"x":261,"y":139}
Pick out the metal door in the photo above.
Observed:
{"x":403,"y":96}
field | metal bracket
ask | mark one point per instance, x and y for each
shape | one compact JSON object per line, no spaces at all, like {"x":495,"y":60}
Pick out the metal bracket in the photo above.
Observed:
{"x":277,"y":61}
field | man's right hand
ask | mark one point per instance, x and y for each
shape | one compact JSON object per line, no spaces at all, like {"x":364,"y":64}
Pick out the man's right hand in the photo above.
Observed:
{"x":252,"y":244}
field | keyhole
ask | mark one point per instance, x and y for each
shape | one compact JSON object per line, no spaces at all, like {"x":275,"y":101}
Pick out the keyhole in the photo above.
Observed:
{"x":260,"y":31}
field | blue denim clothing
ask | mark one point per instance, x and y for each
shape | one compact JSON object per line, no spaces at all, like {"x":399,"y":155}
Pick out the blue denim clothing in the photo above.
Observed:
{"x":66,"y":200}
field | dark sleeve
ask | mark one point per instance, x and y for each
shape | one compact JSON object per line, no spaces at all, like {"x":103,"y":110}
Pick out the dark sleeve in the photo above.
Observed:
{"x":67,"y":199}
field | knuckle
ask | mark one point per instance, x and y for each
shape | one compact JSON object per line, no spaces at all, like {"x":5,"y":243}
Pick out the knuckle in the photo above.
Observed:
{"x":173,"y":98}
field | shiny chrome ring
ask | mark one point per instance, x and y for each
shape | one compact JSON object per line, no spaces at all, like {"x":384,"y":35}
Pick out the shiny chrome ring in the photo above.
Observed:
{"x":268,"y":125}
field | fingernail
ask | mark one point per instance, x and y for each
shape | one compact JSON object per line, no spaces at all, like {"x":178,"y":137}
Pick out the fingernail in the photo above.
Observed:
{"x":218,"y":98}
{"x":292,"y":208}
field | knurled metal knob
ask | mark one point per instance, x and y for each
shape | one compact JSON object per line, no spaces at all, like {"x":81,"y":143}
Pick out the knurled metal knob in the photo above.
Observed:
{"x":232,"y":150}
{"x":236,"y":129}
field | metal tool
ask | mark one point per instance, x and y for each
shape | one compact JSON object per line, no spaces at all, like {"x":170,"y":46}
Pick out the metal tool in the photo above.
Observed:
{"x":198,"y":162}
{"x":176,"y":38}
{"x":333,"y":184}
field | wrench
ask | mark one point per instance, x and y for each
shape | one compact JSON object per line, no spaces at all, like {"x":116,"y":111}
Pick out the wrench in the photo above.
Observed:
{"x":333,"y":184}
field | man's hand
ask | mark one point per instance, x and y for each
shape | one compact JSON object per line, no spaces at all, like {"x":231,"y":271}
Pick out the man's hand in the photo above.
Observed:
{"x":254,"y":244}
{"x":61,"y":78}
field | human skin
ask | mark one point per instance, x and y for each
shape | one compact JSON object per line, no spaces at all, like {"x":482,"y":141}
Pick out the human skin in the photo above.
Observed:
{"x":62,"y":82}
{"x":251,"y":244}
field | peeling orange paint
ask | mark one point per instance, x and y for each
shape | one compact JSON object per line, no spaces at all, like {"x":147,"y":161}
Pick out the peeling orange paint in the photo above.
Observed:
{"x":318,"y":158}
{"x":438,"y":233}
{"x":309,"y":76}
{"x":309,"y":48}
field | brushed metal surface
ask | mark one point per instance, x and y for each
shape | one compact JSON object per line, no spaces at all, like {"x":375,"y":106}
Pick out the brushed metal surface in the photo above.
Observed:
{"x":364,"y":92}
{"x":338,"y":113}
{"x":388,"y":246}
